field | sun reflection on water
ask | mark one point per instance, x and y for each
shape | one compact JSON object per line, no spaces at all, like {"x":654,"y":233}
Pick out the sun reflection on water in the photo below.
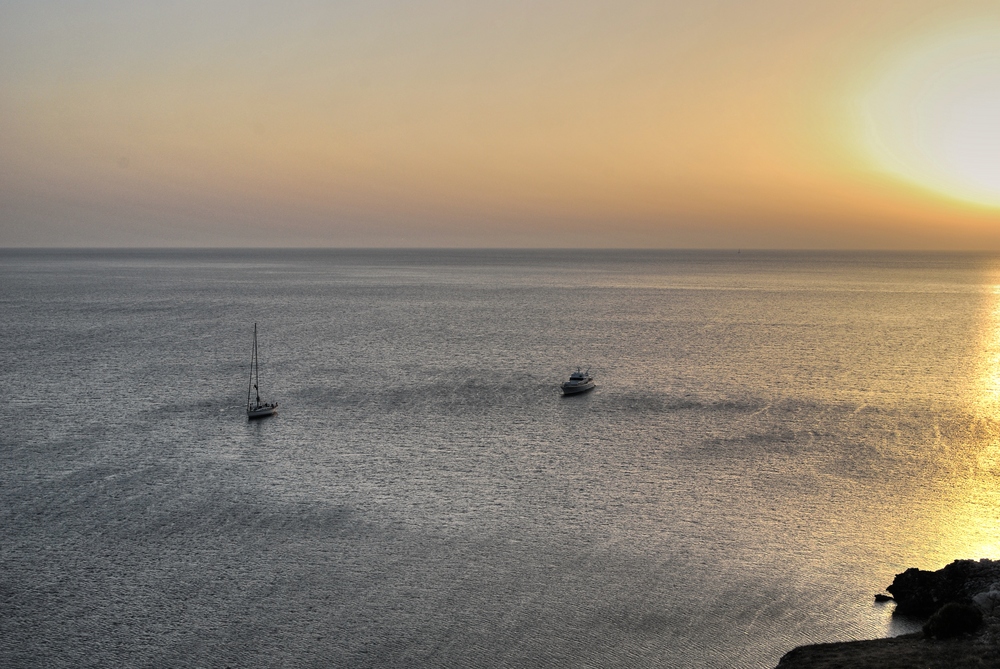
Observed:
{"x":990,"y":375}
{"x":988,"y":402}
{"x":970,"y":526}
{"x":955,"y":514}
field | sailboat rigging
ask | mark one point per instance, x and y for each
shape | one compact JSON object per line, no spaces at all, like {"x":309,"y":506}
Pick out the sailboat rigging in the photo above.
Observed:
{"x":256,"y":408}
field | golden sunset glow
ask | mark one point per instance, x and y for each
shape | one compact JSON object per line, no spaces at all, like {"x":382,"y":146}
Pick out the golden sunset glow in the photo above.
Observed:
{"x":934,"y":114}
{"x":771,"y":124}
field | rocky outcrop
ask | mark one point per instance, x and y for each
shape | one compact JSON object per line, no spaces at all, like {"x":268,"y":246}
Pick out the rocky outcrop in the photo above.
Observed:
{"x":921,"y":593}
{"x":971,"y":591}
{"x":907,"y":652}
{"x":953,"y":620}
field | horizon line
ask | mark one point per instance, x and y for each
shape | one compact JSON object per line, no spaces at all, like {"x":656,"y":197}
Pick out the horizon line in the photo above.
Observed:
{"x":719,"y":249}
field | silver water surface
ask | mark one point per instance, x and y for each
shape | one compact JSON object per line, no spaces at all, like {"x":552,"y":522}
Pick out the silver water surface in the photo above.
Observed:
{"x":773,"y":436}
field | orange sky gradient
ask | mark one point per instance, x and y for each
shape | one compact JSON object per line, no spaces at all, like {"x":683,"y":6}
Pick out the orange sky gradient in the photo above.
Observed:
{"x":772,"y":124}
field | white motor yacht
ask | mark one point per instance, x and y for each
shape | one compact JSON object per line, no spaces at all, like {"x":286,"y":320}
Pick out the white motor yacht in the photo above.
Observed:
{"x":579,"y":382}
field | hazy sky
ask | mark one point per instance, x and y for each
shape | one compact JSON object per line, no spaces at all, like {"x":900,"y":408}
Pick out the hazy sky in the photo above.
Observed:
{"x":708,"y":123}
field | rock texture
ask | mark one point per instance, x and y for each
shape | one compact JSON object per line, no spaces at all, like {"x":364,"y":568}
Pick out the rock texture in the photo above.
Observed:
{"x":905,"y":652}
{"x":923,"y":594}
{"x":920,"y":593}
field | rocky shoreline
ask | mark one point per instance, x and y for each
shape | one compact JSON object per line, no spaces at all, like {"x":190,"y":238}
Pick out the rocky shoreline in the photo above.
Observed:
{"x":961,"y":603}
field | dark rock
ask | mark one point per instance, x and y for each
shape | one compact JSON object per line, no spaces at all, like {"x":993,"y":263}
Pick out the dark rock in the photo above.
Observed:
{"x":909,"y":652}
{"x":883,"y":598}
{"x":921,"y":593}
{"x":952,"y":620}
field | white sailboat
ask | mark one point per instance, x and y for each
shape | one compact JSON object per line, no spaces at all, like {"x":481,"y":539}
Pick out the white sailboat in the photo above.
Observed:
{"x":256,"y":408}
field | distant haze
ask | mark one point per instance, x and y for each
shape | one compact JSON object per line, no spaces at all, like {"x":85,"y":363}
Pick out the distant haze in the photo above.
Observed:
{"x":768,"y":124}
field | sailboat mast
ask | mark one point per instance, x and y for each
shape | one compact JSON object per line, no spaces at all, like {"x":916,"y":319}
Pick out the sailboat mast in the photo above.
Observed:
{"x":256,"y":365}
{"x":253,"y":364}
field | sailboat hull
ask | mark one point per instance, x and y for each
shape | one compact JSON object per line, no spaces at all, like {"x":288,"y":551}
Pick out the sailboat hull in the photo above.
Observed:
{"x":261,"y":412}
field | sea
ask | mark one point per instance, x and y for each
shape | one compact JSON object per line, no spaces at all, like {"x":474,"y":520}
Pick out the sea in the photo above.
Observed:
{"x":773,"y":436}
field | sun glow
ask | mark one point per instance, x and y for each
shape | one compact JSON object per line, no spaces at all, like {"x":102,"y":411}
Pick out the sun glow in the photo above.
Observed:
{"x":933,"y":116}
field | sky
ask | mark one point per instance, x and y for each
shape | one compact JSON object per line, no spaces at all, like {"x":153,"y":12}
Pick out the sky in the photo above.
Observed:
{"x":847,"y":124}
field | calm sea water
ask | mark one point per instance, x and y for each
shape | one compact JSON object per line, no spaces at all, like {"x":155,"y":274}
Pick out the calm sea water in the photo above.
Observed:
{"x":773,"y":436}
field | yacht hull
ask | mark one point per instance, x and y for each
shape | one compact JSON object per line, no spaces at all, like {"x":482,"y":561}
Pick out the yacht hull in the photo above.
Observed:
{"x":576,"y":389}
